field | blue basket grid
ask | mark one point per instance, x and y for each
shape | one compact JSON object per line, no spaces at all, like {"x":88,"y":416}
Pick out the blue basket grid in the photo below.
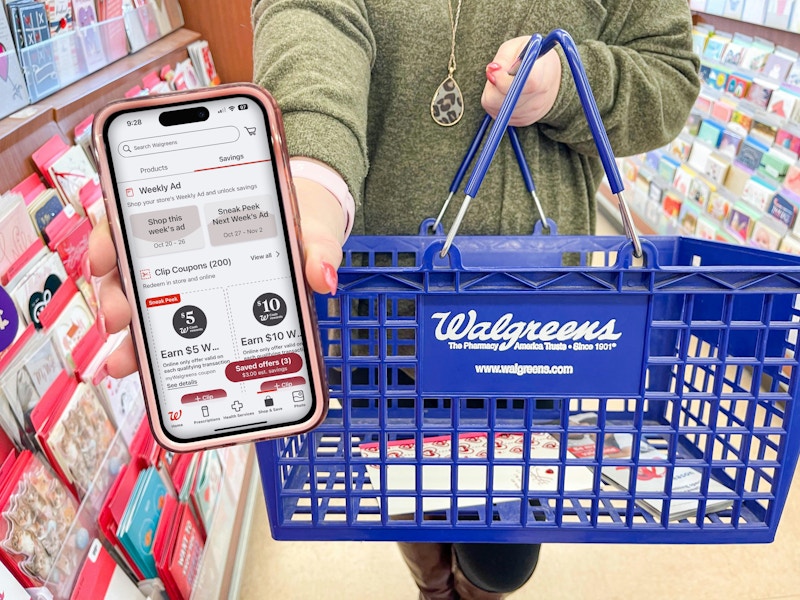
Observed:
{"x":719,"y":383}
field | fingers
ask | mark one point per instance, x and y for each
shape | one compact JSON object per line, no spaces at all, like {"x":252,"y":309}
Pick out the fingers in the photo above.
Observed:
{"x":115,"y":312}
{"x":122,"y":361}
{"x":102,"y":254}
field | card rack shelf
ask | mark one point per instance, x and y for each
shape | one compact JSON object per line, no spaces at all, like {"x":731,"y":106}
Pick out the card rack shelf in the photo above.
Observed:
{"x":25,"y":131}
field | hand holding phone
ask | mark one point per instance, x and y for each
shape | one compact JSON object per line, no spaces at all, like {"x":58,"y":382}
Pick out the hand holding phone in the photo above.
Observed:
{"x":204,"y":222}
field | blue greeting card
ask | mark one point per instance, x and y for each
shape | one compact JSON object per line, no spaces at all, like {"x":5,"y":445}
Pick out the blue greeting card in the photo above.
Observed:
{"x":137,"y":528}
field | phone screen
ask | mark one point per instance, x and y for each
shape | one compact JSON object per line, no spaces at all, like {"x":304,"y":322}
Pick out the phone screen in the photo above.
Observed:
{"x":207,"y":246}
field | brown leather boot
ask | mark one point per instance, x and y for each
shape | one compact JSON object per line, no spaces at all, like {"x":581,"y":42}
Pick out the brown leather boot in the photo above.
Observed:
{"x":431,"y":567}
{"x":467,"y":590}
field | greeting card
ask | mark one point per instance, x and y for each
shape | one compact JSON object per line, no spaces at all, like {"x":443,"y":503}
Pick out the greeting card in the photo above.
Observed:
{"x":16,"y":230}
{"x":719,"y":206}
{"x":706,"y":228}
{"x":37,"y":517}
{"x":36,"y":55}
{"x":68,"y":317}
{"x":29,"y":374}
{"x":101,"y":578}
{"x":754,"y":11}
{"x":650,"y":480}
{"x":792,"y":179}
{"x":138,"y":527}
{"x":76,"y":434}
{"x":715,"y":46}
{"x":70,"y":172}
{"x":44,"y":210}
{"x":88,"y":34}
{"x":13,"y":94}
{"x":733,"y":9}
{"x":34,"y":292}
{"x":755,"y":57}
{"x":200,"y":54}
{"x":784,"y":207}
{"x":687,"y":221}
{"x":758,"y":193}
{"x":778,"y":13}
{"x":790,"y":244}
{"x":767,"y":233}
{"x":471,"y":478}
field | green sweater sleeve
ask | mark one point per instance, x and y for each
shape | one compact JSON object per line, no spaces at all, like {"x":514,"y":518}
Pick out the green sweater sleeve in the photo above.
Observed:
{"x":643,"y":73}
{"x":324,"y":102}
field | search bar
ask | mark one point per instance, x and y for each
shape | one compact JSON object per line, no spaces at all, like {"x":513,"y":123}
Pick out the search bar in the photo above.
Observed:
{"x":178,"y":141}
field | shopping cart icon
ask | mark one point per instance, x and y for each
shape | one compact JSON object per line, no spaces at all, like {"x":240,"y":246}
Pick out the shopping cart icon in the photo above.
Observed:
{"x":251,"y":130}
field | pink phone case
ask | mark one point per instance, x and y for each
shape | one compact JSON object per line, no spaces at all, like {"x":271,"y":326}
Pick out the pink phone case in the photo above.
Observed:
{"x":305,"y":300}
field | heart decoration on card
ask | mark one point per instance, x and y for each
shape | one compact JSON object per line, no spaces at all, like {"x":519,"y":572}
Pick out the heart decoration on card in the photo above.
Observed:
{"x":39,"y":300}
{"x":3,"y":62}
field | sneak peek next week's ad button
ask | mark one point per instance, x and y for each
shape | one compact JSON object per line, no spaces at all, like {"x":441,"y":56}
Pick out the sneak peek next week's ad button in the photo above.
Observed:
{"x":203,"y":396}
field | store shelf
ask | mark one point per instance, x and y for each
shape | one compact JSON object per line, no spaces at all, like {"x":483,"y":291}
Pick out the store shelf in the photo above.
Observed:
{"x":779,"y":37}
{"x":72,"y":104}
{"x":25,"y":131}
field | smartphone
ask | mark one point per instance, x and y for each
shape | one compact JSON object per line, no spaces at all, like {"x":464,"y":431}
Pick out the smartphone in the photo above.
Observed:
{"x":204,"y":219}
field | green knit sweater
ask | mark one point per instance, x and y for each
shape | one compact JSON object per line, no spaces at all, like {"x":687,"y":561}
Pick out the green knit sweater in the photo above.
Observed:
{"x":355,"y":78}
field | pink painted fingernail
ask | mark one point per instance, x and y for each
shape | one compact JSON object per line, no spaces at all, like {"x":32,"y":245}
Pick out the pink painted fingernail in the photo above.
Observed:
{"x":101,"y":323}
{"x":331,"y":278}
{"x":490,"y":71}
{"x":87,"y":269}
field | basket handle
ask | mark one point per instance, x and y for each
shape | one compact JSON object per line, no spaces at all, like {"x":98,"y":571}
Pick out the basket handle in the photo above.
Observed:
{"x":536,"y":46}
{"x":427,"y":227}
{"x":539,"y":228}
{"x":592,"y":113}
{"x":627,"y":253}
{"x":432,"y":257}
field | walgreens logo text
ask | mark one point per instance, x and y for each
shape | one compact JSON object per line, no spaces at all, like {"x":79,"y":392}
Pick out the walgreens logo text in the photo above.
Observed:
{"x":466,"y":326}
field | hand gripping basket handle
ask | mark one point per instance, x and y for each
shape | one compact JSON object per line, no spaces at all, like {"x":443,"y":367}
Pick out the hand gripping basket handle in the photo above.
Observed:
{"x":534,"y":48}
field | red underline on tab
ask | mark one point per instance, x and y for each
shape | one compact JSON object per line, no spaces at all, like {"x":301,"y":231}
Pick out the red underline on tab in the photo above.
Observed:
{"x":252,"y":162}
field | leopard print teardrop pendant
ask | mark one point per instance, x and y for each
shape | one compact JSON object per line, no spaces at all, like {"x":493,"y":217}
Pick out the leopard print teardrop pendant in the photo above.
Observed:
{"x":447,"y":106}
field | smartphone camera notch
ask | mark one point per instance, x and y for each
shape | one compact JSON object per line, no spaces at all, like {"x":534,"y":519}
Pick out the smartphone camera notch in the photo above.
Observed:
{"x":195,"y":114}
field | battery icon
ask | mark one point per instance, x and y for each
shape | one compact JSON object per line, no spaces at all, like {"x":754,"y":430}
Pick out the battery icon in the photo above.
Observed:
{"x":243,"y":107}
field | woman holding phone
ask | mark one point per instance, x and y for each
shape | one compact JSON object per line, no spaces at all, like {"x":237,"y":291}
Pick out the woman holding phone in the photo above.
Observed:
{"x":380,"y":101}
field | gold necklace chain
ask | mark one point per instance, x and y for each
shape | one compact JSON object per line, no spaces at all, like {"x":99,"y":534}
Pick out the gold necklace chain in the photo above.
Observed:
{"x":447,"y":105}
{"x":451,"y":67}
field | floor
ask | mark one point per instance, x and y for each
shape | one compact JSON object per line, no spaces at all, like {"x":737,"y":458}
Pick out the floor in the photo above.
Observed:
{"x":348,"y":570}
{"x":334,"y":571}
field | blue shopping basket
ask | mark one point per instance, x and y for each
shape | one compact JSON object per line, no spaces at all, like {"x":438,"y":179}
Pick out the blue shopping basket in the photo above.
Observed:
{"x":693,"y":352}
{"x":548,"y":388}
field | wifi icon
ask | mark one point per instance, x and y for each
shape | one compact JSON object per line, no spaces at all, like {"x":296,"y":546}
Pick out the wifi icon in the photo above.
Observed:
{"x":231,"y":108}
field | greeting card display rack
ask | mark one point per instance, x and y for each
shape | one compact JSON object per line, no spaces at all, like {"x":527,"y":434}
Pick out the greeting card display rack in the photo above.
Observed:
{"x":58,"y":114}
{"x":648,"y":222}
